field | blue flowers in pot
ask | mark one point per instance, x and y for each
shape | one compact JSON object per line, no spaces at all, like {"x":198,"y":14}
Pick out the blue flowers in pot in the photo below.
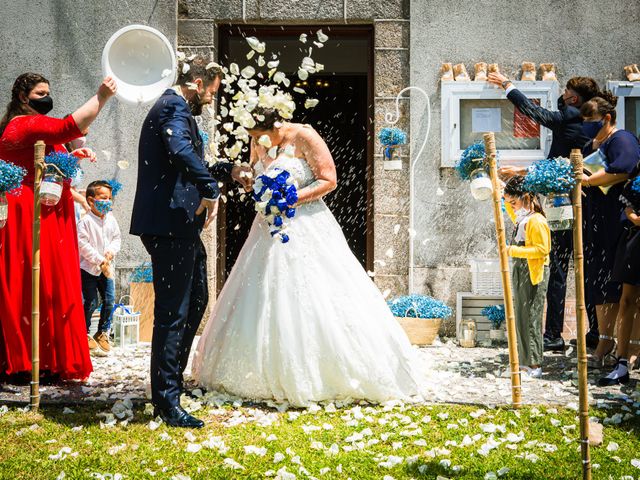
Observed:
{"x":473,"y":167}
{"x":496,"y":315}
{"x":553,"y":177}
{"x":390,"y":139}
{"x":420,"y":316}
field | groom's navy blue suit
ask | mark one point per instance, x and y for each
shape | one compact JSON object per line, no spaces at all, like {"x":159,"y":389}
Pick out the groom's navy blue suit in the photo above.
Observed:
{"x":172,"y":180}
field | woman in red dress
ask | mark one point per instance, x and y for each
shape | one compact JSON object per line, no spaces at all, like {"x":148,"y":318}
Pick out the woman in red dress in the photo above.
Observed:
{"x":64,"y":351}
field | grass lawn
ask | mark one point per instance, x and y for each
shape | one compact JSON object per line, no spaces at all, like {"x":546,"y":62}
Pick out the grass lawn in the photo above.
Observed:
{"x":381,"y":442}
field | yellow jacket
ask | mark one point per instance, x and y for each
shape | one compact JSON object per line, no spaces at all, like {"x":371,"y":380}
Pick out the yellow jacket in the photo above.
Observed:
{"x":537,"y":245}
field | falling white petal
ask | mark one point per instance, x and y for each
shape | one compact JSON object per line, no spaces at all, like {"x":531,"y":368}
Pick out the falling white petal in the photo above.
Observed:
{"x":303,"y":37}
{"x":321,"y":36}
{"x":311,"y":102}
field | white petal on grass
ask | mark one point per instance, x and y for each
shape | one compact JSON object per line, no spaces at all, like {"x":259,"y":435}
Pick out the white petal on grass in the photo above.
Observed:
{"x":253,"y":450}
{"x":278,"y":457}
{"x":231,"y":463}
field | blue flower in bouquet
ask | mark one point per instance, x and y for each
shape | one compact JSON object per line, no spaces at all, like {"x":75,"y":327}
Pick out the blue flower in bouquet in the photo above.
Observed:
{"x":495,"y":314}
{"x":390,"y":137}
{"x":275,"y":193}
{"x":116,"y":186}
{"x":419,"y":306}
{"x":11,"y":176}
{"x":67,"y":164}
{"x":553,"y":175}
{"x":472,"y":158}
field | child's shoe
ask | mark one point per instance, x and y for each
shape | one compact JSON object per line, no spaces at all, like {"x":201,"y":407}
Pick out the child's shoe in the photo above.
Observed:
{"x":102,"y":341}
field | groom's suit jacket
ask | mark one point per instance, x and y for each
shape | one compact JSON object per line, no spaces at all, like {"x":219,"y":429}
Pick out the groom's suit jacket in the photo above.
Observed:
{"x":172,"y":174}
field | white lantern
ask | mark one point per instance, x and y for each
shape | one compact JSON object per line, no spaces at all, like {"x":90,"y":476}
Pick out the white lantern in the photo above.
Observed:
{"x":481,"y":188}
{"x":126,"y":325}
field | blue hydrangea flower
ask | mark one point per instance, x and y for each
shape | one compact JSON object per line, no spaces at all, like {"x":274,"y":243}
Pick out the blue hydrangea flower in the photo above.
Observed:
{"x":67,"y":164}
{"x":142,"y":274}
{"x":116,"y":186}
{"x":276,"y":189}
{"x":392,"y":136}
{"x":472,"y":158}
{"x":495,"y":314}
{"x":552,"y":175}
{"x":11,"y":176}
{"x":419,"y":306}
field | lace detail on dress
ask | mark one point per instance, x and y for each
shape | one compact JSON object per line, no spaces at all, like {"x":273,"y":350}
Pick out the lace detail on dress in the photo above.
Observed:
{"x":297,"y":167}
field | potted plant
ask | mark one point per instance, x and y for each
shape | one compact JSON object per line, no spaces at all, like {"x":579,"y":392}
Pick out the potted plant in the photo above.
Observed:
{"x":495,"y":314}
{"x":420,"y":316}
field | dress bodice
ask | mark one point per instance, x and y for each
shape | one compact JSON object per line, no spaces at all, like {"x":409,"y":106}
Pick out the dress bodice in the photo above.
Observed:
{"x":297,"y":167}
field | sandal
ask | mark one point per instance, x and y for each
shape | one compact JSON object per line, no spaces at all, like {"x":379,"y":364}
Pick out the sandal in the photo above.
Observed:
{"x":609,"y":358}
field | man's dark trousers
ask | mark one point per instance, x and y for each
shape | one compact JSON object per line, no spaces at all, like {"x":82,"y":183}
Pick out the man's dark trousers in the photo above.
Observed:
{"x":181,"y":296}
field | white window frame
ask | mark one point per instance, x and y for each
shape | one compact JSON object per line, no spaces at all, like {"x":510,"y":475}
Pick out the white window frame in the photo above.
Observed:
{"x":451,"y":94}
{"x":623,"y":89}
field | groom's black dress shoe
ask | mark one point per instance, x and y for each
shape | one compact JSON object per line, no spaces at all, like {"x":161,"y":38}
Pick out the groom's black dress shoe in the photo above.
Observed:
{"x":178,"y":417}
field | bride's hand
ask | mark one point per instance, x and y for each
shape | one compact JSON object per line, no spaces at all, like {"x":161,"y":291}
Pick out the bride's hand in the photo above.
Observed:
{"x":243,"y":174}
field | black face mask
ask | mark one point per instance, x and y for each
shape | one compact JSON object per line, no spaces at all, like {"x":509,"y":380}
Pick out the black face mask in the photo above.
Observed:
{"x":41,"y":105}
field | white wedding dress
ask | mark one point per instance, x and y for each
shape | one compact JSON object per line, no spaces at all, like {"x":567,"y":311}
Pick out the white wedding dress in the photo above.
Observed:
{"x":302,"y":321}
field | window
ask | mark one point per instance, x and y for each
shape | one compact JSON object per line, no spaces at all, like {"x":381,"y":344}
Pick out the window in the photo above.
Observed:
{"x":628,"y":108}
{"x":471,"y":108}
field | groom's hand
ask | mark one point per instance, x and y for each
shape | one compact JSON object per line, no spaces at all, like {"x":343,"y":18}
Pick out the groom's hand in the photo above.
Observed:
{"x":211,"y":206}
{"x":243,"y":174}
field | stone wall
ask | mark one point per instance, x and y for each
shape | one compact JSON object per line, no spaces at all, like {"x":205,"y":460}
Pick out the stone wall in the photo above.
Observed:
{"x":197,"y":21}
{"x":63,"y":40}
{"x":581,"y":37}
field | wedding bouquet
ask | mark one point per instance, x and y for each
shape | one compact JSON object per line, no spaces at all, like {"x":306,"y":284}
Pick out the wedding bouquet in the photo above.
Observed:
{"x":276,"y":193}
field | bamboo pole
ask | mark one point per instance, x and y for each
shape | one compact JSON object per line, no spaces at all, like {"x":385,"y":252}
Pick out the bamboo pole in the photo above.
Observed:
{"x":35,"y":278}
{"x":581,"y":314}
{"x":516,"y":391}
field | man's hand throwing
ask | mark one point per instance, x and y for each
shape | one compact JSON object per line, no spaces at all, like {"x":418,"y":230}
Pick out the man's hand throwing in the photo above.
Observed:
{"x":211,"y":206}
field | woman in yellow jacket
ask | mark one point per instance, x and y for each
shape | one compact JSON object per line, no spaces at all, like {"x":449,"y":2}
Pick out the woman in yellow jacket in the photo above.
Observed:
{"x":529,"y":248}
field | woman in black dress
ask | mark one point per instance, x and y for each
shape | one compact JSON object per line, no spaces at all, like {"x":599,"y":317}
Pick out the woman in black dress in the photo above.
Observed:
{"x":604,"y":213}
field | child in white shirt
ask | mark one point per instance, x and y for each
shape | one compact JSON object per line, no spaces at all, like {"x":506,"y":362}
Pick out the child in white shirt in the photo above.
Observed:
{"x":99,"y":241}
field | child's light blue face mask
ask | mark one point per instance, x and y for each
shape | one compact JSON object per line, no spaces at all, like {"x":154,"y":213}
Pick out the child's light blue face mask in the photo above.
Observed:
{"x":103,"y":206}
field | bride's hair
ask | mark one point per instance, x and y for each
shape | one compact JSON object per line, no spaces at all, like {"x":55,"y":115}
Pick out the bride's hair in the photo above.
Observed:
{"x":265,"y":118}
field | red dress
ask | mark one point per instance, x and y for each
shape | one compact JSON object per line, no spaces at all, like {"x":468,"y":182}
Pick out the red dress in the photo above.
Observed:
{"x":63,"y":334}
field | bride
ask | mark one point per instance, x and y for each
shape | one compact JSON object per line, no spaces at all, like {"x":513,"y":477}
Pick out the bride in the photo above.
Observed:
{"x":302,"y":321}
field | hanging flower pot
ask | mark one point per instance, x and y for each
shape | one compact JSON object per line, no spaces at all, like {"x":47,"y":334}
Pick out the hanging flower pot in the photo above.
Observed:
{"x":559,"y":211}
{"x":51,"y":189}
{"x":4,"y":209}
{"x":481,"y":187}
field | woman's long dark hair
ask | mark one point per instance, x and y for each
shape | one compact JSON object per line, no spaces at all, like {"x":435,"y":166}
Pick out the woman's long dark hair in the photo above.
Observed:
{"x":515,"y":188}
{"x":23,"y":84}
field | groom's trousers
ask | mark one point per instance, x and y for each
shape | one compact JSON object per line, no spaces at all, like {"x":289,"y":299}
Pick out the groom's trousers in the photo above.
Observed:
{"x":181,"y":296}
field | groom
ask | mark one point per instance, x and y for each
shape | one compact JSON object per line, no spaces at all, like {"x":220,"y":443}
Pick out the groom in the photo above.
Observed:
{"x":176,"y":196}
